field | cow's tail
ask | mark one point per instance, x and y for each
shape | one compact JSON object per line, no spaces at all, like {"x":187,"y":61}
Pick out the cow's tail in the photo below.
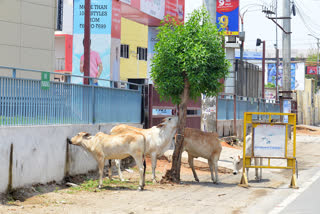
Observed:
{"x":144,"y":154}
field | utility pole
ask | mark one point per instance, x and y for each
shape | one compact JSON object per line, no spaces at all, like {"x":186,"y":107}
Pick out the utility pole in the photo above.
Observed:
{"x":318,"y":45}
{"x":86,"y":42}
{"x":277,"y":73}
{"x":286,"y":48}
{"x":209,"y":104}
{"x":263,"y":66}
{"x":263,"y":62}
{"x":241,"y":65}
{"x":277,"y":54}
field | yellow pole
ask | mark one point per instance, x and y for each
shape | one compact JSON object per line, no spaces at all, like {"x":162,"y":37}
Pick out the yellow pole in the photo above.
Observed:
{"x":286,"y":149}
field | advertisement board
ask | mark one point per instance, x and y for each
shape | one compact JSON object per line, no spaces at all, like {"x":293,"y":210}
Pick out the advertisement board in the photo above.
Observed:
{"x":116,"y":19}
{"x":153,"y":8}
{"x":101,"y":11}
{"x":297,"y":75}
{"x":152,"y":40}
{"x":228,"y":16}
{"x":126,"y":1}
{"x":286,"y":109}
{"x":270,"y":93}
{"x":249,"y":55}
{"x":312,"y":70}
{"x":175,"y":8}
{"x":269,"y":140}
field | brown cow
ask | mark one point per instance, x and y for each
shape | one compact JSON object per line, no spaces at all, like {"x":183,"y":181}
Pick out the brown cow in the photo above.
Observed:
{"x":203,"y":144}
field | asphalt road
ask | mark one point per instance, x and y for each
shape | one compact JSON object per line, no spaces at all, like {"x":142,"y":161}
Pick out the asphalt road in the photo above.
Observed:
{"x":307,"y":202}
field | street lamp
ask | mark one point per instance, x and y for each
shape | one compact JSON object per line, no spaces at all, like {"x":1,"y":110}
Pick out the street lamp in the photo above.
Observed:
{"x":317,"y":52}
{"x":263,"y":61}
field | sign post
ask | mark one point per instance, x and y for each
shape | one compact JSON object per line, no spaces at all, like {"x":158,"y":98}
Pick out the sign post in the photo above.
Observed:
{"x":270,"y":141}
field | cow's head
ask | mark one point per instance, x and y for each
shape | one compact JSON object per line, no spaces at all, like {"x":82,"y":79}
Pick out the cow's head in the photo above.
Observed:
{"x":76,"y":140}
{"x":237,"y":164}
{"x":169,"y":122}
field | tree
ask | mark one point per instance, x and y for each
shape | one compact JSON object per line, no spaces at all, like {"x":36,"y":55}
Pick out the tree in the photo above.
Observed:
{"x":312,"y":57}
{"x":189,"y":60}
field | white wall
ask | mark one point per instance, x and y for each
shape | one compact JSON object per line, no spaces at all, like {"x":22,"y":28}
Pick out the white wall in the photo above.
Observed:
{"x":60,"y":47}
{"x":27,"y":34}
{"x":40,"y":153}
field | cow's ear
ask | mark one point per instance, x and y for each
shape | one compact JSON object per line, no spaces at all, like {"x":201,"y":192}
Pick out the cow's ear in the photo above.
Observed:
{"x":160,"y":125}
{"x":239,"y":157}
{"x":86,"y":135}
{"x":231,"y":158}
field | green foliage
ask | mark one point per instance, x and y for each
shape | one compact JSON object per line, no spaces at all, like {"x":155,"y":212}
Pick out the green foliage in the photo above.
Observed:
{"x":193,"y":51}
{"x":270,"y":85}
{"x":312,"y":58}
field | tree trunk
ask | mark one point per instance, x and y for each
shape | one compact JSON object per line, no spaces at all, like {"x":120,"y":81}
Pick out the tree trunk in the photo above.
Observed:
{"x":173,"y":175}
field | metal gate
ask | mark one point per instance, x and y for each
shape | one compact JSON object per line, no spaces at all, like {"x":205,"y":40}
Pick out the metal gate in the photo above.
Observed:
{"x":157,"y":110}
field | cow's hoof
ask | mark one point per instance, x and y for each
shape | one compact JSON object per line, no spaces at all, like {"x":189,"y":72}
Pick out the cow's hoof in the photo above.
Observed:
{"x":197,"y":180}
{"x":140,"y":188}
{"x":99,"y":187}
{"x":216,"y":182}
{"x":154,"y":181}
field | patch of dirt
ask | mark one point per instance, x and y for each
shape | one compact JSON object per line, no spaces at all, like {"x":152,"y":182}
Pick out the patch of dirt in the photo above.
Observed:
{"x":34,"y":194}
{"x":201,"y":168}
{"x":307,"y":130}
{"x":259,"y":192}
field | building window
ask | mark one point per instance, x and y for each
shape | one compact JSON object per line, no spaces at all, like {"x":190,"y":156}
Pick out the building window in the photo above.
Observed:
{"x":194,"y":112}
{"x":124,"y":52}
{"x":59,"y":15}
{"x":142,"y":53}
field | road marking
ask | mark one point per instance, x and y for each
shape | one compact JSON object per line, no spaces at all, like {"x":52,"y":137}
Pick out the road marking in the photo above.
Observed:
{"x":294,"y":195}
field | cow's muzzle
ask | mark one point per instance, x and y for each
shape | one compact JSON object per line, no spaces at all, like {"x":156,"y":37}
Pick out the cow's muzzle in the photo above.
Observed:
{"x":235,"y":173}
{"x":69,"y":141}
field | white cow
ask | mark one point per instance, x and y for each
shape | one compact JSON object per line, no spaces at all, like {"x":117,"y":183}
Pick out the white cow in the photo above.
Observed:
{"x":238,"y":161}
{"x":158,"y":138}
{"x":103,"y":146}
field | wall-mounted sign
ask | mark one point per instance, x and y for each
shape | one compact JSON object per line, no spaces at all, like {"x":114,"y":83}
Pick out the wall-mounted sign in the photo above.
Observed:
{"x":153,"y":8}
{"x":166,"y":112}
{"x":228,"y":16}
{"x":175,"y":8}
{"x":249,"y":55}
{"x":126,"y":1}
{"x":45,"y":80}
{"x":312,"y":70}
{"x":286,"y":109}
